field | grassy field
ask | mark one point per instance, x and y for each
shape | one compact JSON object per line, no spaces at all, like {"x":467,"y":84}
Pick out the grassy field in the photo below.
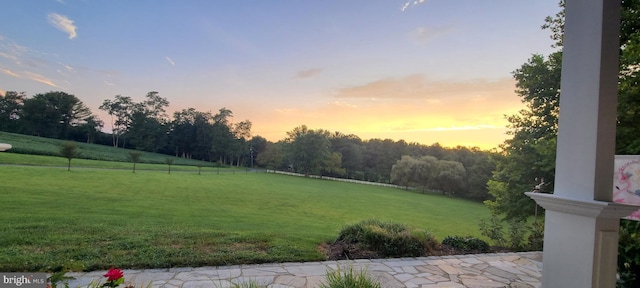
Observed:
{"x":89,"y":219}
{"x":25,"y":144}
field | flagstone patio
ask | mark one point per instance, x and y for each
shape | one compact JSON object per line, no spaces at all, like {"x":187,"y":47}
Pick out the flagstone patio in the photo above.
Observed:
{"x":513,"y":270}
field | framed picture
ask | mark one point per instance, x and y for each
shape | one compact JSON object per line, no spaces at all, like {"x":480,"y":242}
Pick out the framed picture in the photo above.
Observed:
{"x":626,"y":182}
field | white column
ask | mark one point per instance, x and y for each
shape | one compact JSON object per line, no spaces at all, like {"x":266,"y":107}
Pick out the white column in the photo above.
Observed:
{"x":581,"y":222}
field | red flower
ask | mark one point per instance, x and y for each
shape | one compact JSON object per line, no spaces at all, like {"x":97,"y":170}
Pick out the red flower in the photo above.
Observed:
{"x":114,"y":274}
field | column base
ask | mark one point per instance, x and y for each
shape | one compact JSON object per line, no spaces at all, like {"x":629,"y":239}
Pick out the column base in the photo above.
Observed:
{"x":580,"y":241}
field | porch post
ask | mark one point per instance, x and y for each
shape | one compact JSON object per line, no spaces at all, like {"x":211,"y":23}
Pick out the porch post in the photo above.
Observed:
{"x":581,"y":222}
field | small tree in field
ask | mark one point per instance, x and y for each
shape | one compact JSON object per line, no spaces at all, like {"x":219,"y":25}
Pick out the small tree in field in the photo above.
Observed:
{"x":135,"y":158}
{"x":69,"y":150}
{"x":169,"y":161}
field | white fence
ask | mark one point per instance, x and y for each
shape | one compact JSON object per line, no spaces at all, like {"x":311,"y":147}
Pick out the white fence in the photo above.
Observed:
{"x":336,"y":179}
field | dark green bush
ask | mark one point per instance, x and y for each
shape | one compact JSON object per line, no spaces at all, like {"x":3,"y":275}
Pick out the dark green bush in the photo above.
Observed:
{"x":536,"y":237}
{"x":629,"y":254}
{"x":387,"y":239}
{"x":466,"y":243}
{"x":517,"y":232}
{"x":516,"y":235}
{"x":493,"y":228}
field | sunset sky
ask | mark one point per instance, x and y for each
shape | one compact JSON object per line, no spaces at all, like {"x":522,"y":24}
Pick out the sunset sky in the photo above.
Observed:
{"x":424,"y":71}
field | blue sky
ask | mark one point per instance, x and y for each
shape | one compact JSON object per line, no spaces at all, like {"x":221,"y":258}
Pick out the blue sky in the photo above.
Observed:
{"x":424,"y":71}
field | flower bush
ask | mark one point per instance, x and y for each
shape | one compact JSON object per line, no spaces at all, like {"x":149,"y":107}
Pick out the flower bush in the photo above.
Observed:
{"x":115,"y":278}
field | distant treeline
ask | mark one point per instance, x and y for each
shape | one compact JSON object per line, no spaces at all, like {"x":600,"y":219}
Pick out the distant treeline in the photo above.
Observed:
{"x":193,"y":134}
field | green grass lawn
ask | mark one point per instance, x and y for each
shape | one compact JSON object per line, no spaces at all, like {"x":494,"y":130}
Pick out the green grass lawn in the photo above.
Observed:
{"x":91,"y":219}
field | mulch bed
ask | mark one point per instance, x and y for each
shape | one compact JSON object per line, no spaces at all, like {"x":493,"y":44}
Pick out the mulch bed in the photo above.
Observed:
{"x":343,"y":251}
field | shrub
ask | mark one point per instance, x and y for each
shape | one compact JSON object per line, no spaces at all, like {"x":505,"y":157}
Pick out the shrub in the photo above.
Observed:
{"x":536,"y":237}
{"x":516,"y":233}
{"x":466,"y":244}
{"x":517,"y":230}
{"x":629,"y":254}
{"x":386,"y":239}
{"x":492,"y":229}
{"x":349,"y":279}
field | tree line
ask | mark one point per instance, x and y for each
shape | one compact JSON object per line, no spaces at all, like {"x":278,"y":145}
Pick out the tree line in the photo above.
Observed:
{"x":206,"y":136}
{"x":461,"y":171}
{"x":143,"y":126}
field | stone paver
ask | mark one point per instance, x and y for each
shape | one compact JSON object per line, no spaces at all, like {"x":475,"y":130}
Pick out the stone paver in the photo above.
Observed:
{"x":509,"y":270}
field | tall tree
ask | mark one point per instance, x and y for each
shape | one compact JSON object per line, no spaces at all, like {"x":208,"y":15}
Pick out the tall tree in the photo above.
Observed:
{"x":529,"y":156}
{"x":147,"y":133}
{"x":242,"y":134}
{"x":530,"y":153}
{"x":405,"y":171}
{"x":120,"y":110}
{"x":350,"y":148}
{"x":148,"y":127}
{"x":53,"y":114}
{"x":627,"y":140}
{"x":379,"y":156}
{"x":257,"y":145}
{"x":450,"y":176}
{"x":426,"y":170}
{"x":308,"y":149}
{"x":222,"y":134}
{"x":479,"y":166}
{"x":332,"y":165}
{"x":191,"y":134}
{"x":273,"y":156}
{"x":222,"y":117}
{"x":11,"y":110}
{"x":155,"y":106}
{"x":90,"y":128}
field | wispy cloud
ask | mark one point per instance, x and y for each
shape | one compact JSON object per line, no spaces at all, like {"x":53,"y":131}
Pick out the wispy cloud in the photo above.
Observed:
{"x":417,"y":86}
{"x":63,"y":24}
{"x":9,"y":72}
{"x":462,"y":128}
{"x":342,"y":104}
{"x":108,"y":83}
{"x":308,"y":73}
{"x":411,"y":3}
{"x":39,"y":78}
{"x":10,"y":50}
{"x":170,"y":61}
{"x":424,"y":34}
{"x":2,"y":92}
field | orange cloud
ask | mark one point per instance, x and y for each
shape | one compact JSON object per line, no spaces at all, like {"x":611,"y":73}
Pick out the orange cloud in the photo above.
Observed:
{"x":9,"y":72}
{"x":40,"y":78}
{"x":414,"y":108}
